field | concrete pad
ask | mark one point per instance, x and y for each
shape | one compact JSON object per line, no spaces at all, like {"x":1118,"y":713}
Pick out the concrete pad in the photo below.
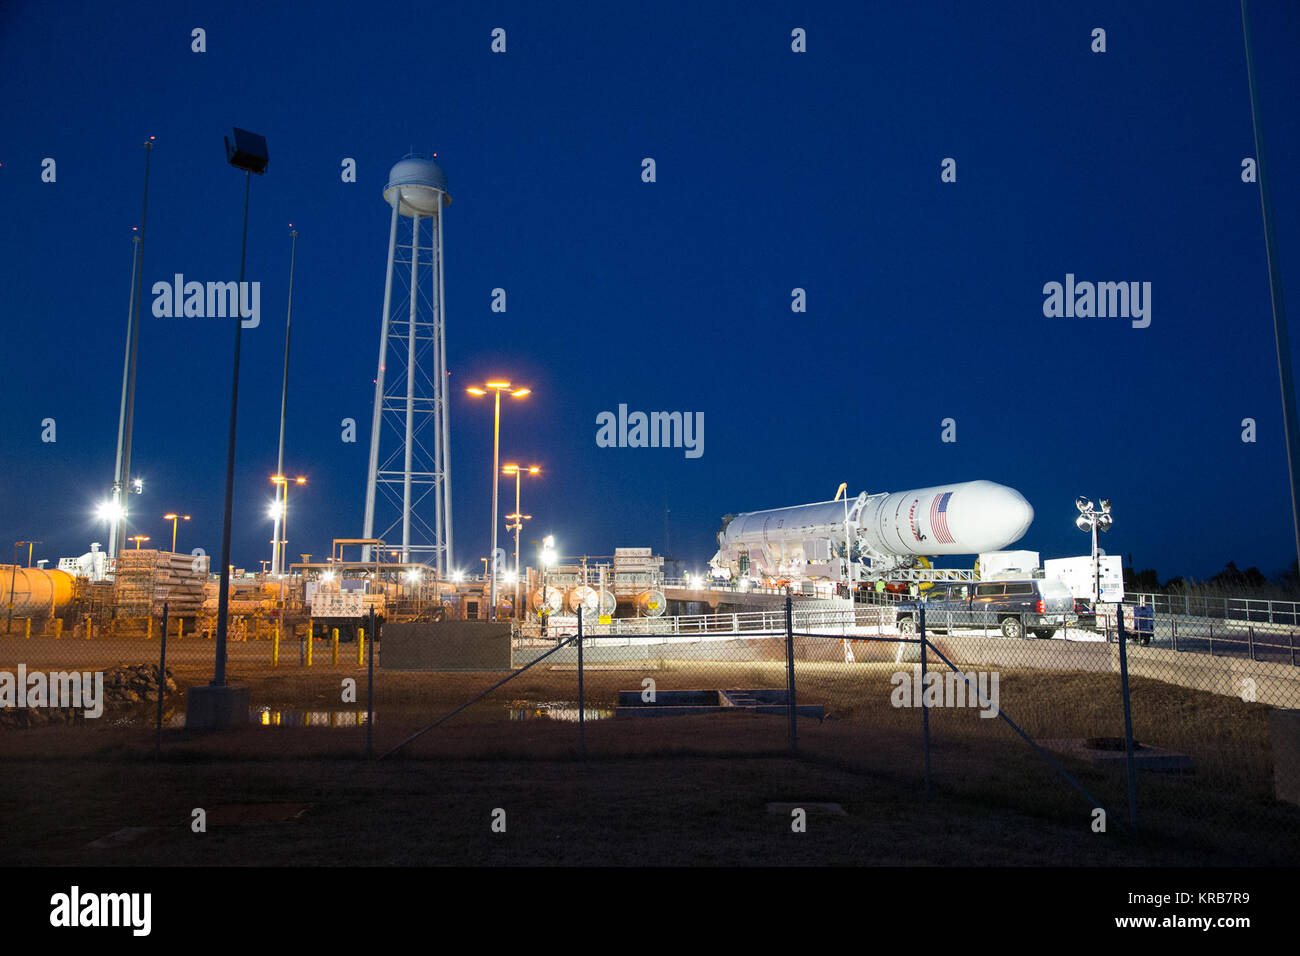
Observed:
{"x":1145,"y":756}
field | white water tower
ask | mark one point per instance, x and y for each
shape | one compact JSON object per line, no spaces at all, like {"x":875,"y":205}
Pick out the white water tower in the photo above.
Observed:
{"x":408,"y":484}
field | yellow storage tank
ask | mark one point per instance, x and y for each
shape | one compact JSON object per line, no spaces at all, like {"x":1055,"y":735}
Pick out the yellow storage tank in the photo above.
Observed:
{"x":35,"y":592}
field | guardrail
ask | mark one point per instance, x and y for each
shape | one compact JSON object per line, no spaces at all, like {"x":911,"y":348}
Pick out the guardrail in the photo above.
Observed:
{"x":1253,"y":610}
{"x":752,"y":623}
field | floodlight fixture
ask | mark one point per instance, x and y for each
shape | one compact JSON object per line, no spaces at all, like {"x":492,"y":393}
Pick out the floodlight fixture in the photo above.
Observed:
{"x":248,"y":152}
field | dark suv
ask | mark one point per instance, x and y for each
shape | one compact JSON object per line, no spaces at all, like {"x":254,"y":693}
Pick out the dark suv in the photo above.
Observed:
{"x":1027,"y":605}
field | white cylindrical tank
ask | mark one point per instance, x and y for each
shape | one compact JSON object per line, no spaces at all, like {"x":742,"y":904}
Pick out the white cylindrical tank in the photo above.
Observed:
{"x":586,"y":599}
{"x":608,"y":603}
{"x":651,"y":603}
{"x":553,"y":602}
{"x":419,"y":184}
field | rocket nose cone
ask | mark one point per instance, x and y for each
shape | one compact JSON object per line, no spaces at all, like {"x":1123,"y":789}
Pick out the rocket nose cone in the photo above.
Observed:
{"x":1021,"y":511}
{"x":992,"y":516}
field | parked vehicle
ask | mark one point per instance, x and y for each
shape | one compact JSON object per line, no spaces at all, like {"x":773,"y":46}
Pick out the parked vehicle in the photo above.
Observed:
{"x":1019,"y":607}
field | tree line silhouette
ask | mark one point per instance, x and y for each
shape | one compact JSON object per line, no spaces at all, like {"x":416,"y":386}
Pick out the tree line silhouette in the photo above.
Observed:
{"x":1232,"y":580}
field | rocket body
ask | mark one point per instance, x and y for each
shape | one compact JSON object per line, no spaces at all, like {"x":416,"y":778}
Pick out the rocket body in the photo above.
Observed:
{"x":883,"y":530}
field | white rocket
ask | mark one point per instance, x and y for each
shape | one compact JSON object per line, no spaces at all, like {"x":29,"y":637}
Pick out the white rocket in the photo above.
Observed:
{"x":874,"y":533}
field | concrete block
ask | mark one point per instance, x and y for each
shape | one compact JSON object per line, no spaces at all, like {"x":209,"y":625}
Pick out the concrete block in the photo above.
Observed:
{"x":1284,"y":735}
{"x":216,"y":708}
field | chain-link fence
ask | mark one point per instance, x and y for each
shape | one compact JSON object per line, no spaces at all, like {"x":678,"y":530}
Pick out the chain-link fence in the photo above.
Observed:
{"x":1167,"y":723}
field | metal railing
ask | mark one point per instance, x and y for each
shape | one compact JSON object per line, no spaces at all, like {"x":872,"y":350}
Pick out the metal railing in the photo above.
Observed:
{"x":1253,"y":610}
{"x":694,"y":626}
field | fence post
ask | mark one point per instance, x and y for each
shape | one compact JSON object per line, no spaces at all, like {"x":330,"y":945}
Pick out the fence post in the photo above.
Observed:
{"x":582,"y":701}
{"x":162,"y":683}
{"x":370,"y":689}
{"x":1250,"y":641}
{"x":925,"y":710}
{"x":1173,"y":631}
{"x":1290,"y":637}
{"x":1211,"y":640}
{"x":1128,"y":717}
{"x":789,"y":663}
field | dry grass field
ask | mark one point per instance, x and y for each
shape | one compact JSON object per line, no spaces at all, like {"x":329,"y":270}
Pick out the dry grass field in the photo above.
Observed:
{"x":669,"y":791}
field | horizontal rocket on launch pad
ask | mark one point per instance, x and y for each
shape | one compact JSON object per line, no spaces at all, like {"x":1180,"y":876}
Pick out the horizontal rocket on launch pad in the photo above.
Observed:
{"x":873,"y":534}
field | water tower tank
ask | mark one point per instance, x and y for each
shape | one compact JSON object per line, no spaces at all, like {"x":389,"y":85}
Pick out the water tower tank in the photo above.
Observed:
{"x":422,"y":185}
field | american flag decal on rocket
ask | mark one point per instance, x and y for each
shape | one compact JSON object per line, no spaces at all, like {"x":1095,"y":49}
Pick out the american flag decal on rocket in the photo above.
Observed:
{"x":939,"y":518}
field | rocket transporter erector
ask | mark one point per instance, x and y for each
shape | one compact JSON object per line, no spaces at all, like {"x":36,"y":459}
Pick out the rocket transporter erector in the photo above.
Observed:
{"x":873,"y":534}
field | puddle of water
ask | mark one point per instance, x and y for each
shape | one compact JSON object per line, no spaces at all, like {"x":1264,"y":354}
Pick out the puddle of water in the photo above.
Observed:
{"x":566,"y":710}
{"x":273,"y":717}
{"x":259,"y":716}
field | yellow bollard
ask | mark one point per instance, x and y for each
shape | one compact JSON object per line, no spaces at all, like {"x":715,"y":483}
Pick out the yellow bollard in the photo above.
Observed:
{"x":180,"y":628}
{"x":58,"y":628}
{"x":275,"y":646}
{"x":309,"y":644}
{"x":149,"y":633}
{"x":311,"y":629}
{"x":28,"y":634}
{"x":334,"y":643}
{"x":361,"y":645}
{"x":90,"y":627}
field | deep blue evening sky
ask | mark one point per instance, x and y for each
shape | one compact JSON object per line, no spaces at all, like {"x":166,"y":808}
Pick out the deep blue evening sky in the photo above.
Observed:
{"x":775,"y":170}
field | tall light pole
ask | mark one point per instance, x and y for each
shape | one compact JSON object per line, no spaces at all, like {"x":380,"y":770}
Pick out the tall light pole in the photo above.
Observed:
{"x":277,"y":553}
{"x":174,"y":518}
{"x":250,"y":155}
{"x":548,"y":558}
{"x":1094,"y":521}
{"x":116,"y":507}
{"x":280,"y":512}
{"x":1290,"y":428}
{"x":519,"y":518}
{"x":497,"y":387}
{"x":138,"y":538}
